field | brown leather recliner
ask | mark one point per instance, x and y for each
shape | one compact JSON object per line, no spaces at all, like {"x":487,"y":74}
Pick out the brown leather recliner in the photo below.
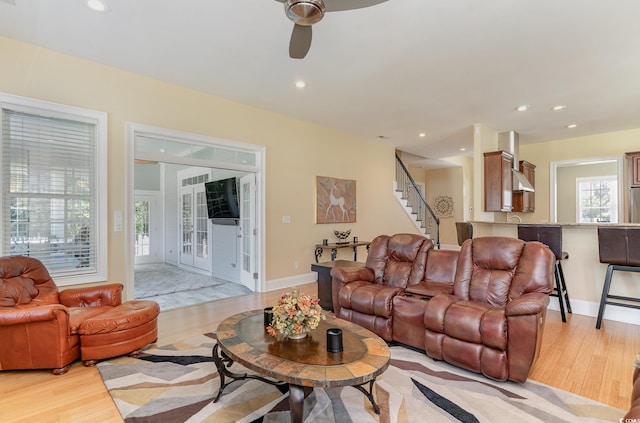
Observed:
{"x":42,"y":328}
{"x":364,"y":295}
{"x":493,"y":322}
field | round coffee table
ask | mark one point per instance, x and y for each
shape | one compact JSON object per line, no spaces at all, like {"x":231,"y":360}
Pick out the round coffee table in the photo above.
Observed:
{"x":305,"y":363}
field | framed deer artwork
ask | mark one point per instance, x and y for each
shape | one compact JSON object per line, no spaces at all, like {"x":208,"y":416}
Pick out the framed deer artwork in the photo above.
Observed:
{"x":335,"y":200}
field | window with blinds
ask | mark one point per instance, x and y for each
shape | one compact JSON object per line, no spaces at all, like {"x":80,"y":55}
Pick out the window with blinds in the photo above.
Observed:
{"x":52,"y":188}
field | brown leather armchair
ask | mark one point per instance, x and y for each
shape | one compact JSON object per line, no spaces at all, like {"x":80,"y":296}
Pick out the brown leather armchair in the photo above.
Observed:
{"x":42,"y":328}
{"x":364,"y":295}
{"x":493,"y":322}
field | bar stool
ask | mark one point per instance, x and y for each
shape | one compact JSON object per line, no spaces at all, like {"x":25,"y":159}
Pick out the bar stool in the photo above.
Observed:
{"x":465,"y":231}
{"x":551,"y":235}
{"x":619,"y":247}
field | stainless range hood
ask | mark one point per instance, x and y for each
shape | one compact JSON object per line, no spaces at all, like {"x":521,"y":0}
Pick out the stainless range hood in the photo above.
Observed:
{"x":510,"y":142}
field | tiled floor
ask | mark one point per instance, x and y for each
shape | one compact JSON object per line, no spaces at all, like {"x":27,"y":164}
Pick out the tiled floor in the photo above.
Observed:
{"x":172,"y":287}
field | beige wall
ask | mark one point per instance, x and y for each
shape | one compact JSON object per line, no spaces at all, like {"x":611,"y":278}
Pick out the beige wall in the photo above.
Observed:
{"x":296,"y":151}
{"x":566,"y":178}
{"x":541,"y":154}
{"x":449,"y":182}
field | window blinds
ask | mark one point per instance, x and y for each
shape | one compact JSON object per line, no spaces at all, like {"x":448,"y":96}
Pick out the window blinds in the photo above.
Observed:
{"x":49,"y":190}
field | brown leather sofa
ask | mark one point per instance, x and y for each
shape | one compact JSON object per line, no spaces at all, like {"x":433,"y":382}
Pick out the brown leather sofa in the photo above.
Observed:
{"x":42,"y":328}
{"x":482,"y":308}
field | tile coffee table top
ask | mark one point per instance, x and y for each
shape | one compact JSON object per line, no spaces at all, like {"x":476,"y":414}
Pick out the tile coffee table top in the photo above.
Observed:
{"x":306,"y":362}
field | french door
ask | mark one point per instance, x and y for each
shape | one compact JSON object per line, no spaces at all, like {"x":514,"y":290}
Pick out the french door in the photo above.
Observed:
{"x":194,"y":228}
{"x":248,"y":232}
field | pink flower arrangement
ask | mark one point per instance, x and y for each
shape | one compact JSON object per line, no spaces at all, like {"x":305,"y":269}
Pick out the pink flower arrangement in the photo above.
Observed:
{"x":295,"y":313}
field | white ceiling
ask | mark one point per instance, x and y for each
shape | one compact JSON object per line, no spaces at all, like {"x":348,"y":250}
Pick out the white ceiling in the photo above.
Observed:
{"x":391,"y":70}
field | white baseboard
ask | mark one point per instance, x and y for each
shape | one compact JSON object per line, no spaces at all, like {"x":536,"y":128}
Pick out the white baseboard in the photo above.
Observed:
{"x":589,"y":308}
{"x":291,"y":281}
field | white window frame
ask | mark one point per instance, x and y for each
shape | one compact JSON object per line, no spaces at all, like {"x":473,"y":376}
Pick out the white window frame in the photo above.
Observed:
{"x":61,"y":111}
{"x":615,"y":203}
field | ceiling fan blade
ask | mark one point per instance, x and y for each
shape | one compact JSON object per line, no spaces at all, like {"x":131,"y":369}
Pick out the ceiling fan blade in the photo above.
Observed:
{"x":337,"y":5}
{"x":300,"y":41}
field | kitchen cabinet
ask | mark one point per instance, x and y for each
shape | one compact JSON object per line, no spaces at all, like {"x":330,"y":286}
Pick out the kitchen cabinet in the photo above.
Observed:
{"x":498,"y":181}
{"x":634,"y":168}
{"x":525,"y":201}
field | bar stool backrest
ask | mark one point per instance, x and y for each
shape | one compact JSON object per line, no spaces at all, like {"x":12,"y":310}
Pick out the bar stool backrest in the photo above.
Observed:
{"x":619,"y":245}
{"x":551,"y":235}
{"x":465,"y":231}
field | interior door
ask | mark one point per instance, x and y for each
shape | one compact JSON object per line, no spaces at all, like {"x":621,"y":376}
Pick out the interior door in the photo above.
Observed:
{"x":186,"y":226}
{"x":194,"y":228}
{"x":201,"y":254}
{"x":248,"y":231}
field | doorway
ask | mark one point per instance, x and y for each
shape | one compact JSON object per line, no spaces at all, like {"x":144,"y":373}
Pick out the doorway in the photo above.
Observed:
{"x":184,"y":204}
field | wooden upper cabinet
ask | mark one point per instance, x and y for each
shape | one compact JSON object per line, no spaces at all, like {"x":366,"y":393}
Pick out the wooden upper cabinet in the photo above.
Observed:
{"x":498,"y":181}
{"x":634,"y":168}
{"x":525,"y":201}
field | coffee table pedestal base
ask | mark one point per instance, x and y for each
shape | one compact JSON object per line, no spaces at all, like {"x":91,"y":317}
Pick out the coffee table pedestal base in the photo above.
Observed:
{"x":296,"y":392}
{"x":223,"y":363}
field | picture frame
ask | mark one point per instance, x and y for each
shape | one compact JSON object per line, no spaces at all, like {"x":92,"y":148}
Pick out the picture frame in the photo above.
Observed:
{"x":335,"y":200}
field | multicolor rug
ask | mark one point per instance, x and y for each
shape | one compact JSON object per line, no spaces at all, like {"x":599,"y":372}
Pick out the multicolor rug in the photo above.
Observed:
{"x":175,"y":383}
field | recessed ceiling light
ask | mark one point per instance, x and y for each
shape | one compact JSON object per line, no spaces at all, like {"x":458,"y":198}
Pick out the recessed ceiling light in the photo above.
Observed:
{"x":97,"y":5}
{"x":559,"y":107}
{"x":522,"y":108}
{"x":573,"y":125}
{"x":301,"y":84}
{"x":463,"y":149}
{"x":422,"y":134}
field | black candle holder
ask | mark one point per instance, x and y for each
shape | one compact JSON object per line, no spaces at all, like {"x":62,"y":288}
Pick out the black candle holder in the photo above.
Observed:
{"x":334,"y":340}
{"x":268,"y":316}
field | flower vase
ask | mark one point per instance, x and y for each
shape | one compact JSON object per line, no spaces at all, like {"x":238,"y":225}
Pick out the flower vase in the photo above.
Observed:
{"x":297,"y":336}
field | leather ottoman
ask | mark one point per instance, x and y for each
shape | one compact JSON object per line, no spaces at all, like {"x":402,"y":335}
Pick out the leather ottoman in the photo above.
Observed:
{"x":124,"y":329}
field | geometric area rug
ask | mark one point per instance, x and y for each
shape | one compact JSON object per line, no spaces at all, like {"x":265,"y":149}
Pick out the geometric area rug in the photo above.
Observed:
{"x":176,"y":383}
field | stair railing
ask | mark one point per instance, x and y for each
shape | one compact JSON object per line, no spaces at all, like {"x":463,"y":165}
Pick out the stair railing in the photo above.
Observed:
{"x":419,"y":205}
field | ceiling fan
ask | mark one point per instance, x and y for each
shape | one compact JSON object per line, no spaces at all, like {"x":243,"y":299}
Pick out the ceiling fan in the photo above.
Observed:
{"x":305,"y":13}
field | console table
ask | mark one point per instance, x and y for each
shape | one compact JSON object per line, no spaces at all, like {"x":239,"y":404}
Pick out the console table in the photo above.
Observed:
{"x":336,"y":245}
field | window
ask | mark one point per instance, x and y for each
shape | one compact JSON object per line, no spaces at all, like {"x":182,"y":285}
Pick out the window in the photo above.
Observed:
{"x":142,"y":246}
{"x":53,"y":187}
{"x":597,"y":199}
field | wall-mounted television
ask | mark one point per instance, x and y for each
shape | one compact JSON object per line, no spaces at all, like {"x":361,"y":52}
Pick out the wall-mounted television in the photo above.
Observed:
{"x":222,"y":201}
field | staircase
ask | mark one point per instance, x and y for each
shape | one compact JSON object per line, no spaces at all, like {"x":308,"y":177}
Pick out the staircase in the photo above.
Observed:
{"x":413,"y":201}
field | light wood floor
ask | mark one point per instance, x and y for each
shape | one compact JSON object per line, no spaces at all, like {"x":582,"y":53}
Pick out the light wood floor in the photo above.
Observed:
{"x":575,"y":357}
